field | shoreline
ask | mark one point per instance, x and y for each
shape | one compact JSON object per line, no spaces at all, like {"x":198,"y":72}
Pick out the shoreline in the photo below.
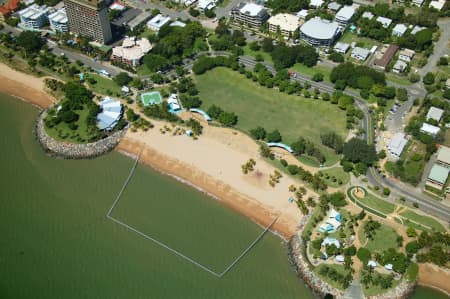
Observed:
{"x":434,"y":277}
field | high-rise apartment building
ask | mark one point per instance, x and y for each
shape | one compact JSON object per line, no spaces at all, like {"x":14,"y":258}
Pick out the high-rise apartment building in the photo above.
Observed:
{"x":89,"y":18}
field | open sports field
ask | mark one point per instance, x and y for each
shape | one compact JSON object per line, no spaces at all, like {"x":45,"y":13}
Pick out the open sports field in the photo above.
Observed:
{"x":256,"y":106}
{"x":385,"y":238}
{"x":151,"y":98}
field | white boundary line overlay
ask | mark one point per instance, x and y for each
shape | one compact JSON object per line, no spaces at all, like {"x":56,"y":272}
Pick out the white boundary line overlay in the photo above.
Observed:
{"x":191,"y":260}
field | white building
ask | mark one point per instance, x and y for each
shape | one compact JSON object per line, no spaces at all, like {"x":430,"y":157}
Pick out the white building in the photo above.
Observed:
{"x":406,"y":55}
{"x":58,"y":21}
{"x":435,"y":113}
{"x":250,"y":14}
{"x":417,"y":2}
{"x":399,"y":30}
{"x":344,"y":15}
{"x":319,"y":32}
{"x":316,"y":3}
{"x":437,"y":4}
{"x":429,"y":129}
{"x":341,"y":47}
{"x":334,"y":6}
{"x":417,"y":29}
{"x":157,"y":22}
{"x":117,"y":6}
{"x":110,"y":115}
{"x":302,"y":14}
{"x":204,"y":5}
{"x":360,"y":53}
{"x":386,"y":22}
{"x":399,"y":66}
{"x":285,"y":23}
{"x":367,"y":15}
{"x":397,"y":145}
{"x":34,"y":17}
{"x":131,"y":51}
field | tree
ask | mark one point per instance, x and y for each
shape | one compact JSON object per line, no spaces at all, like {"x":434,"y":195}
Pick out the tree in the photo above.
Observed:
{"x":194,"y":12}
{"x":337,"y":199}
{"x":411,"y":232}
{"x":332,"y":140}
{"x":318,"y":77}
{"x":357,"y":150}
{"x":386,"y":191}
{"x":209,"y":13}
{"x":336,"y":57}
{"x":122,"y":79}
{"x":30,"y":41}
{"x":293,"y":169}
{"x":155,"y":62}
{"x":274,"y":136}
{"x":214,"y":111}
{"x":259,"y":133}
{"x":428,"y":78}
{"x":267,"y":45}
{"x":402,"y":94}
{"x":363,"y":255}
{"x":254,"y":46}
{"x":228,"y":119}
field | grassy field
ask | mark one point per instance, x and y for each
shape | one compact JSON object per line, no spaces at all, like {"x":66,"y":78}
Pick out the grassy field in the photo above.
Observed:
{"x":104,"y":85}
{"x":349,"y":37}
{"x":385,"y":238}
{"x":339,"y":174}
{"x":249,"y":52}
{"x":310,"y":71}
{"x":376,"y":290}
{"x":425,"y":220}
{"x":339,"y":268}
{"x":377,"y":204}
{"x":62,"y":129}
{"x":403,"y":80}
{"x":256,"y":106}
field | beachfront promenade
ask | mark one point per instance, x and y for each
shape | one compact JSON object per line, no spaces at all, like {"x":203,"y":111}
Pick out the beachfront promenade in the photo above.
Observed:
{"x":176,"y":252}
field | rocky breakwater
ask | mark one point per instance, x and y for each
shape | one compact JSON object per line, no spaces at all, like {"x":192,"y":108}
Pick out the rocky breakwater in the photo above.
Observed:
{"x":302,"y":266}
{"x":403,"y":291}
{"x":67,"y":150}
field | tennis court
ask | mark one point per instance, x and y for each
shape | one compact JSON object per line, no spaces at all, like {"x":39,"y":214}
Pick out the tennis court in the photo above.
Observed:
{"x":151,"y":98}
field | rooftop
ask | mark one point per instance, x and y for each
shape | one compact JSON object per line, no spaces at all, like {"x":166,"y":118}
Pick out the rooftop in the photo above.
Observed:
{"x":334,"y":6}
{"x":34,"y":11}
{"x":435,"y":113}
{"x":58,"y":16}
{"x":438,"y":174}
{"x":132,"y":48}
{"x":345,"y":13}
{"x":316,"y":3}
{"x":407,"y":53}
{"x":430,"y":129}
{"x":387,"y":56}
{"x":319,"y":28}
{"x":285,"y":21}
{"x":417,"y":29}
{"x":437,"y":4}
{"x":361,"y":52}
{"x":397,"y":144}
{"x":252,"y":9}
{"x":386,"y":22}
{"x":400,"y":65}
{"x":399,"y":29}
{"x":443,"y":154}
{"x":340,"y":46}
{"x":302,"y":13}
{"x":367,"y":15}
{"x":158,"y":21}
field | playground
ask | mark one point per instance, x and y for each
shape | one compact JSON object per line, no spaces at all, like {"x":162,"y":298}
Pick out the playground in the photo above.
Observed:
{"x":151,"y":98}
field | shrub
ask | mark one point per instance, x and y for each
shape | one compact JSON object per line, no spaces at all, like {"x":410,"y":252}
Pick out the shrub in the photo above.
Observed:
{"x":283,"y":162}
{"x":293,"y":169}
{"x":363,"y":255}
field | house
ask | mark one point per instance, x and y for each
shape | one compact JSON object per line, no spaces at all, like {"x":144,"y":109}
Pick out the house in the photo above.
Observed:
{"x":360,"y":53}
{"x":331,"y":241}
{"x":406,"y":55}
{"x":319,"y":32}
{"x":341,"y":47}
{"x":7,"y":8}
{"x":397,"y":144}
{"x":399,"y":67}
{"x":386,"y":58}
{"x":443,"y":156}
{"x":435,"y":113}
{"x":339,"y":258}
{"x":332,"y":223}
{"x":34,"y":17}
{"x":437,"y":4}
{"x":388,"y":267}
{"x":399,"y":30}
{"x":302,"y":14}
{"x":204,"y":5}
{"x":345,"y":14}
{"x":157,"y":22}
{"x":111,"y":113}
{"x":316,"y":3}
{"x":417,"y":2}
{"x":386,"y":22}
{"x":437,"y":177}
{"x":416,"y":29}
{"x":372,"y":264}
{"x":58,"y":21}
{"x":429,"y":129}
{"x":174,"y":104}
{"x":284,"y":23}
{"x":333,"y":6}
{"x":131,"y":51}
{"x":367,"y":15}
{"x":250,"y":14}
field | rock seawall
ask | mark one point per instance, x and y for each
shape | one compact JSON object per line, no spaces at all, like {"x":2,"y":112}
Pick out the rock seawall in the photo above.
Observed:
{"x":403,"y":291}
{"x":67,"y":150}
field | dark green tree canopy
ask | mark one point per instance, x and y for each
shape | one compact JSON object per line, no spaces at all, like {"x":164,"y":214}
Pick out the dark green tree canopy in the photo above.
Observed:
{"x":357,"y":150}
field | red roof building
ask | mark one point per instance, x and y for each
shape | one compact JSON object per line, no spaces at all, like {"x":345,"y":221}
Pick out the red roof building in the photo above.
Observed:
{"x":9,"y":7}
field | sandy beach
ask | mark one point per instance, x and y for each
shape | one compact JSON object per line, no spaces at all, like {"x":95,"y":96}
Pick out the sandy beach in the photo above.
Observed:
{"x":213,"y":164}
{"x":23,"y":86}
{"x":435,"y":277}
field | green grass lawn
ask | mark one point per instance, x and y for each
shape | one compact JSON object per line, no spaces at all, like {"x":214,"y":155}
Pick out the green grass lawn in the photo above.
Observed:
{"x":63,"y":133}
{"x":399,"y":79}
{"x":104,"y":85}
{"x":377,"y":204}
{"x":310,"y":71}
{"x":339,"y":268}
{"x":256,"y":106}
{"x":412,"y":271}
{"x":339,"y":174}
{"x":349,"y":37}
{"x":376,"y":290}
{"x":385,"y":238}
{"x":425,"y":220}
{"x":249,"y":52}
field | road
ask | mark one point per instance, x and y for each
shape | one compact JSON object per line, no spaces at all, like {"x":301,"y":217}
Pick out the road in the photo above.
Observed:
{"x":441,"y":47}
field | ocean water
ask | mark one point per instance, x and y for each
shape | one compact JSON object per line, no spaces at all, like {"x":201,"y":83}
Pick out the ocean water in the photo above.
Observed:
{"x":56,"y":242}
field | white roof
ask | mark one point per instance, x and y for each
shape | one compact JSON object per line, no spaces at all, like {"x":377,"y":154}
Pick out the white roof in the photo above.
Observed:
{"x":206,"y":4}
{"x":386,"y":22}
{"x":443,"y":154}
{"x":285,"y":21}
{"x":360,"y":52}
{"x":302,"y":13}
{"x":316,"y":3}
{"x":331,"y":241}
{"x":178,"y":24}
{"x":372,"y":264}
{"x":388,"y":267}
{"x":334,"y":6}
{"x":125,"y":89}
{"x":397,"y":144}
{"x":341,"y":46}
{"x":333,"y":213}
{"x":430,"y":129}
{"x":34,"y":11}
{"x":336,"y":224}
{"x":319,"y":28}
{"x":437,"y":4}
{"x":158,"y":21}
{"x":435,"y":113}
{"x":117,"y":6}
{"x":340,"y":258}
{"x":367,"y":15}
{"x":399,"y":29}
{"x":345,"y":13}
{"x":132,"y":48}
{"x":407,"y":52}
{"x":417,"y":29}
{"x":58,"y":16}
{"x":251,"y":9}
{"x":400,"y":65}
